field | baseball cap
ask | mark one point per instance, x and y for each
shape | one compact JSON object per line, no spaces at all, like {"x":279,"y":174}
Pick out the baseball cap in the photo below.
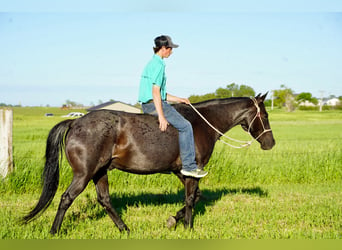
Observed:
{"x":166,"y":41}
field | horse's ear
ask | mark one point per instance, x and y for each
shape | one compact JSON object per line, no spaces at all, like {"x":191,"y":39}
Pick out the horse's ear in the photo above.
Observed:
{"x":264,"y":96}
{"x":261,"y":98}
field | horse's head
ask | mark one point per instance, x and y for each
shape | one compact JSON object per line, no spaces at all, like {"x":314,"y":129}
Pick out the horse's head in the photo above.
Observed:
{"x":256,"y":123}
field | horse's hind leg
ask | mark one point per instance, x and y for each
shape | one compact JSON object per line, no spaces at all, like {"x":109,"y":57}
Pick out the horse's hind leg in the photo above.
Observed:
{"x":76,"y":187}
{"x":102,"y":189}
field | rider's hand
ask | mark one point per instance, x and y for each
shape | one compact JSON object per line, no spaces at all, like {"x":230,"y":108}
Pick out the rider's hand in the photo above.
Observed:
{"x":162,"y":123}
{"x":184,"y":100}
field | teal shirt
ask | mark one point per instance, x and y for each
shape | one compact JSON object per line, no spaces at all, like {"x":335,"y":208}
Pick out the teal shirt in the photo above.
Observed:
{"x":153,"y":74}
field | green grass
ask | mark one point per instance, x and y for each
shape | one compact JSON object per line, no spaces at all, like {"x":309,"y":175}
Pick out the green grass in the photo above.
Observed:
{"x":290,"y":192}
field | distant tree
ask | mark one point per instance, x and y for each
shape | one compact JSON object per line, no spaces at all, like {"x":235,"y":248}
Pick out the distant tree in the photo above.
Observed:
{"x":201,"y":98}
{"x":306,"y":96}
{"x":223,"y":93}
{"x":246,"y":91}
{"x":72,"y":104}
{"x":314,"y":100}
{"x":242,"y":90}
{"x":284,"y":97}
{"x":231,"y":90}
{"x":268,"y":102}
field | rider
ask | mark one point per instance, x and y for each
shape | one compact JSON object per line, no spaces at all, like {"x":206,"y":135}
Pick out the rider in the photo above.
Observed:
{"x":154,"y":98}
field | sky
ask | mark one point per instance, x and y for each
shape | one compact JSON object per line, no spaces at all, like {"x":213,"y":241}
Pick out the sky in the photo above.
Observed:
{"x":87,"y":53}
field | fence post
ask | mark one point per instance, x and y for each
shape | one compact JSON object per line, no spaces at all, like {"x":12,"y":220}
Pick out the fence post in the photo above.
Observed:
{"x":6,"y":153}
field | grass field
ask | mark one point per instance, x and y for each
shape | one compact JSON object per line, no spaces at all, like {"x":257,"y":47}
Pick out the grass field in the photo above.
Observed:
{"x":293,"y":191}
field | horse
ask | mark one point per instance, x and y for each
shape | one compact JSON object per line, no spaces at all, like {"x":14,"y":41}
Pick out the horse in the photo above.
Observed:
{"x":104,"y":140}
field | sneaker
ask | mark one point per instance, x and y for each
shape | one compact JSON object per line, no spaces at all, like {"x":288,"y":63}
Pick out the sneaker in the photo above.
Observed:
{"x":197,"y":173}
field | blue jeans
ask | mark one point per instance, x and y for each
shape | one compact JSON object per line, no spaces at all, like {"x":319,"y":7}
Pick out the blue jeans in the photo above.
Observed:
{"x":186,"y":136}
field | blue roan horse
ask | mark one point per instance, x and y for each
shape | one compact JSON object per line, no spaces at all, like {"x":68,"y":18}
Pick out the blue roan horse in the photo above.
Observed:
{"x":104,"y":140}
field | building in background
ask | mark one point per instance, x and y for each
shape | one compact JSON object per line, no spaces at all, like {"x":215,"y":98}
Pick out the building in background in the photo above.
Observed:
{"x":116,"y":105}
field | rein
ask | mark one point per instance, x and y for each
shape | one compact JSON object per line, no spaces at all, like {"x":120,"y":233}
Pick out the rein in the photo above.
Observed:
{"x":243,"y":143}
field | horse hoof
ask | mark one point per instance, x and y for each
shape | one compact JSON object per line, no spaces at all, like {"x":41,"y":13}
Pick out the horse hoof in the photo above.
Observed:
{"x":171,"y":222}
{"x":124,"y":229}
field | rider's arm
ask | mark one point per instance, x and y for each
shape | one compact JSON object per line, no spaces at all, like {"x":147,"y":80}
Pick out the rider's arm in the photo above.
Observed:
{"x":158,"y":104}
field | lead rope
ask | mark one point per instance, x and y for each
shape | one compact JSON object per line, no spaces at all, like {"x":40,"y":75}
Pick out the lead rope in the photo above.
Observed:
{"x":244,"y":143}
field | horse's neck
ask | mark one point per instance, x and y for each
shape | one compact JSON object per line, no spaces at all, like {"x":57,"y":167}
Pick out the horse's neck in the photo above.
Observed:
{"x":226,"y":115}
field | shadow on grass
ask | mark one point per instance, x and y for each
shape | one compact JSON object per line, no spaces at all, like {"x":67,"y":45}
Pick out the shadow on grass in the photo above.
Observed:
{"x":208,"y":198}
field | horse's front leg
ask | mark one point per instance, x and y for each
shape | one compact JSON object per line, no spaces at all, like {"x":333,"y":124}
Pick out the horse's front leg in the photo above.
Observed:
{"x":191,"y":186}
{"x":192,"y":194}
{"x":173,"y":220}
{"x":198,"y":194}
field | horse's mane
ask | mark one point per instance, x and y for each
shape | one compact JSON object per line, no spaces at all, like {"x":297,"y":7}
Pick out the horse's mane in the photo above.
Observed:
{"x":219,"y":101}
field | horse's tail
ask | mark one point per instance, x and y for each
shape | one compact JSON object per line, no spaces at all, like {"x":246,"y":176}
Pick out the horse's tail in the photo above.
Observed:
{"x":50,"y":177}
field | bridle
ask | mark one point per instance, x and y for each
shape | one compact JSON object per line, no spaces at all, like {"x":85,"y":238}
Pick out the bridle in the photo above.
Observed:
{"x":259,"y":116}
{"x":244,"y":143}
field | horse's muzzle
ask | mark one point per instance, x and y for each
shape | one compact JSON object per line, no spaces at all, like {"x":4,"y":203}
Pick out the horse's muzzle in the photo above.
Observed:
{"x":268,"y":143}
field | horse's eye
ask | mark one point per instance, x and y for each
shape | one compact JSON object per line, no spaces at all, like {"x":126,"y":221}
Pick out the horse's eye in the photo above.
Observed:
{"x":244,"y":127}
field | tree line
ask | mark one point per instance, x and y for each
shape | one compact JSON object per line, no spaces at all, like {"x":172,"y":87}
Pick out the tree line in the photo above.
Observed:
{"x":282,"y":97}
{"x":231,"y":90}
